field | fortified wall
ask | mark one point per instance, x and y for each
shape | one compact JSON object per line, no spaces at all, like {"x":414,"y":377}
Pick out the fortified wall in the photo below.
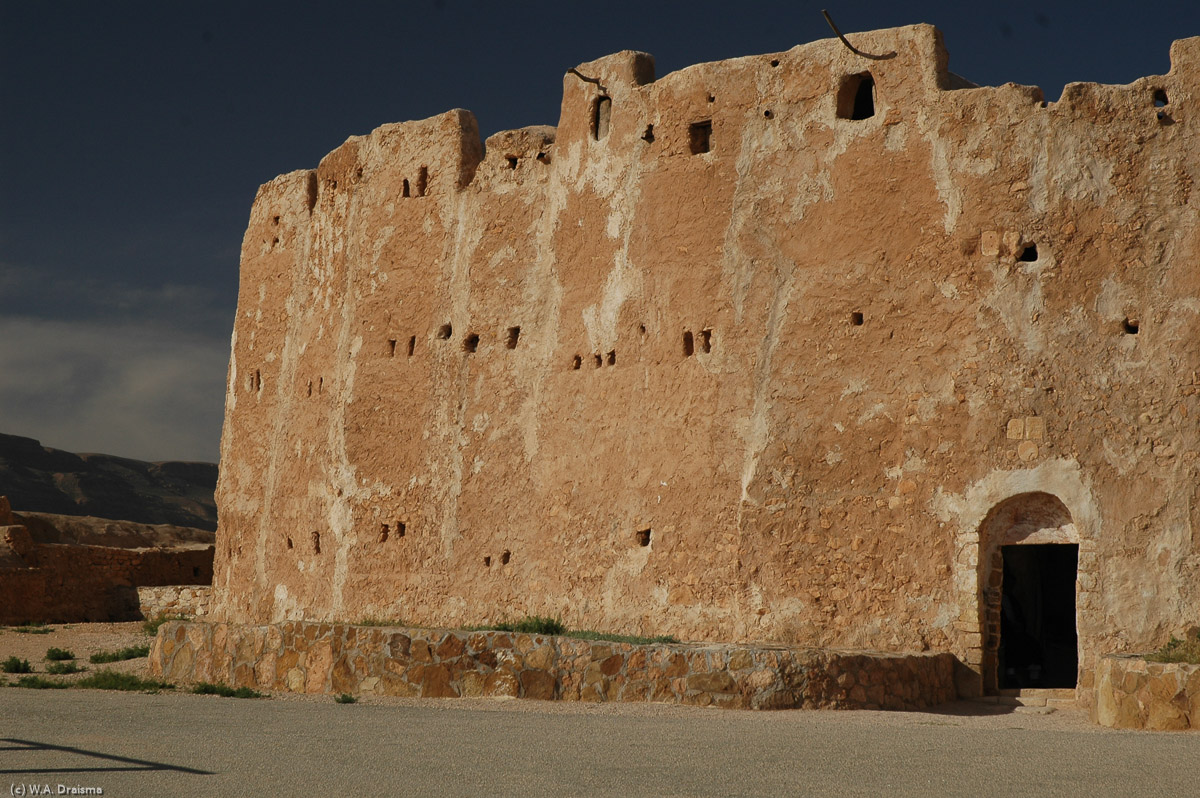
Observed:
{"x":800,"y":347}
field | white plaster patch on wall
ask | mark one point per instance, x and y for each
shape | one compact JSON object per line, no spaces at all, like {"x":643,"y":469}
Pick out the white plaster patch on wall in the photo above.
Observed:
{"x":940,"y":168}
{"x":1060,"y":477}
{"x":600,"y":320}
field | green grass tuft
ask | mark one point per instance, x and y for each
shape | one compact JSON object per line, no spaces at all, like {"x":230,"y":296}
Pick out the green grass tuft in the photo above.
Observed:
{"x":39,"y":683}
{"x":1176,"y":650}
{"x":59,"y":668}
{"x":59,"y":654}
{"x":14,"y":665}
{"x":535,"y":624}
{"x":111,"y":680}
{"x":33,"y":629}
{"x":208,"y":688}
{"x":530,"y":624}
{"x":133,"y":652}
{"x":150,"y":627}
{"x":345,"y":698}
{"x":637,"y":640}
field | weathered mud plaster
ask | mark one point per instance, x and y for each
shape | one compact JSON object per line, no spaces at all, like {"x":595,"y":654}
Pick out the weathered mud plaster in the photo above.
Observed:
{"x":745,"y":352}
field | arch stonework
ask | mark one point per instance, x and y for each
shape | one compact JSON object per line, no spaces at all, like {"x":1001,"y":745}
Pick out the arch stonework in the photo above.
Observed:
{"x":1051,"y":503}
{"x":1025,"y":519}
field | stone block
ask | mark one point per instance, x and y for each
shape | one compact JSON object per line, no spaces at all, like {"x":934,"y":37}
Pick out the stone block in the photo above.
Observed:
{"x":501,"y":684}
{"x":989,"y":243}
{"x":540,"y":658}
{"x":712,"y":682}
{"x":537,"y":684}
{"x":1016,"y":429}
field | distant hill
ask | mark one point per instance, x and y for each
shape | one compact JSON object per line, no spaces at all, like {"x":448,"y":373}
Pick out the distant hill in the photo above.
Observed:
{"x":37,"y":478}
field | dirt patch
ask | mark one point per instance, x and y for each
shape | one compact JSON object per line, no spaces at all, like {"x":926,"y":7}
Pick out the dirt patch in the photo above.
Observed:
{"x":81,"y":639}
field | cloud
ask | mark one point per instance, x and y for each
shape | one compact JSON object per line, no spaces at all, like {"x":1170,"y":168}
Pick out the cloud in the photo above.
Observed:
{"x":136,"y":388}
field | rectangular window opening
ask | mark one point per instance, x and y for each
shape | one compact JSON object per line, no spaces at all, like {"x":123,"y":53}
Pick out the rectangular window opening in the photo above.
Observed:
{"x":611,"y":357}
{"x":401,"y":528}
{"x":700,"y":136}
{"x":706,"y":341}
{"x":412,"y":345}
{"x":856,"y":97}
{"x":422,"y":181}
{"x":514,"y":334}
{"x":404,"y":191}
{"x":601,"y":114}
{"x":576,"y":363}
{"x":471,"y":342}
{"x":444,"y":332}
{"x":689,"y":344}
{"x":391,"y":347}
{"x":642,"y":536}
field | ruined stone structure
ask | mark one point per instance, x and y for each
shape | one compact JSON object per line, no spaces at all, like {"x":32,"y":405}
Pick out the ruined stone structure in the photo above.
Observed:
{"x":800,"y":347}
{"x":62,"y":569}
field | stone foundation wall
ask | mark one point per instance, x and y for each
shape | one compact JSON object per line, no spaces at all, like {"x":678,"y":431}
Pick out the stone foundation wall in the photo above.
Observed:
{"x":191,"y":600}
{"x":1132,"y":693}
{"x":335,"y":658}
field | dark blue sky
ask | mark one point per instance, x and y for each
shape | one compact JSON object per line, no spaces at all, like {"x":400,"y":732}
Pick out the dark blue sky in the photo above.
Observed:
{"x":134,"y":136}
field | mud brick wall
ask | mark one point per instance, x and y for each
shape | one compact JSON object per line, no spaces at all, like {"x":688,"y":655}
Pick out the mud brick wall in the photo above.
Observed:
{"x":334,"y":658}
{"x":787,"y":347}
{"x":71,"y":583}
{"x":1132,"y":693}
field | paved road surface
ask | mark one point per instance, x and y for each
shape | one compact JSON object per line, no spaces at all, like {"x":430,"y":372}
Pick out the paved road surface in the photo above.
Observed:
{"x":185,"y":745}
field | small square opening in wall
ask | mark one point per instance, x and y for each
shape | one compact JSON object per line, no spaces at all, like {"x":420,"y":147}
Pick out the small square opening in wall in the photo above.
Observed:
{"x":598,"y":360}
{"x":471,"y":343}
{"x":706,"y":341}
{"x":1130,"y":326}
{"x":856,"y":318}
{"x":422,"y":181}
{"x":514,"y":335}
{"x":444,"y":332}
{"x":611,"y":357}
{"x":689,"y":344}
{"x":289,"y":543}
{"x":391,"y":347}
{"x":1160,"y":98}
{"x":576,"y":363}
{"x":316,"y":542}
{"x":401,"y":528}
{"x":1029,"y":254}
{"x":412,"y":345}
{"x":505,"y":556}
{"x":487,"y":562}
{"x":642,"y":537}
{"x":405,"y":191}
{"x":856,"y":97}
{"x":700,"y":137}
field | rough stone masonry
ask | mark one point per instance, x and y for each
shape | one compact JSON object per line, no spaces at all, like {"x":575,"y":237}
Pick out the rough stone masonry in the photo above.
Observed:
{"x":793,"y":347}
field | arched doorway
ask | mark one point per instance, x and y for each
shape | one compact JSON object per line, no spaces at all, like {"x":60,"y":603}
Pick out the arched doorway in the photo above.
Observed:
{"x":1029,"y":573}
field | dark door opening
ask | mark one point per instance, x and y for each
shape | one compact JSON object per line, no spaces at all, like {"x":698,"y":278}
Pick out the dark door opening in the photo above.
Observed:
{"x":1038,"y":643}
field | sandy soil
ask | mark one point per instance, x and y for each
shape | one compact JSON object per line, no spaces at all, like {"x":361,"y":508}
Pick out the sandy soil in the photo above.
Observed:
{"x":81,"y":639}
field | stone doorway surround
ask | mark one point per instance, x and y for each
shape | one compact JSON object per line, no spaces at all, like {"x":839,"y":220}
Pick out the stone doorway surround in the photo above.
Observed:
{"x":1050,"y":503}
